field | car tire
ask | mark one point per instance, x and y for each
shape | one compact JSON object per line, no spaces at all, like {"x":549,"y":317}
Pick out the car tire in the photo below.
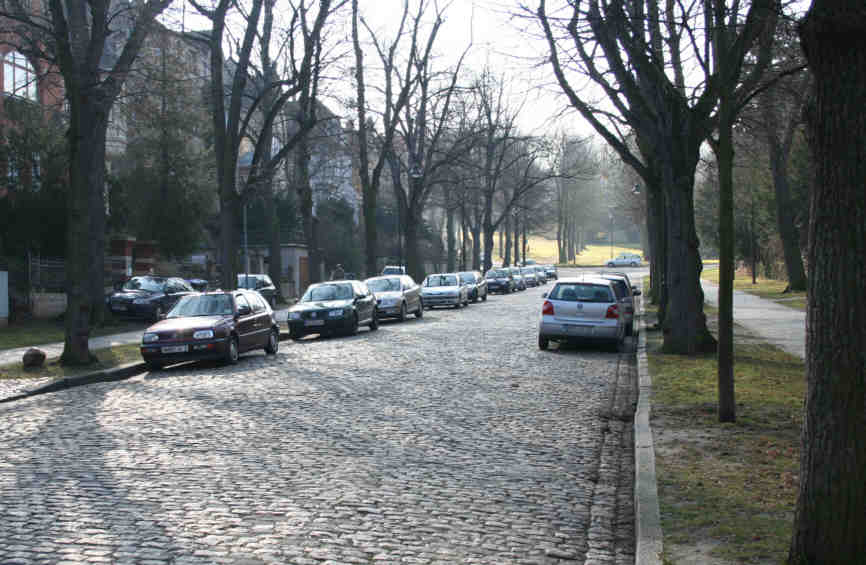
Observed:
{"x":419,"y":313}
{"x":353,"y":329}
{"x":402,"y":316}
{"x":611,"y":265}
{"x":458,"y":305}
{"x":273,"y":344}
{"x":374,"y":323}
{"x":295,"y":336}
{"x":543,"y":342}
{"x":153,"y":366}
{"x":484,"y":298}
{"x":232,"y":352}
{"x":633,"y":264}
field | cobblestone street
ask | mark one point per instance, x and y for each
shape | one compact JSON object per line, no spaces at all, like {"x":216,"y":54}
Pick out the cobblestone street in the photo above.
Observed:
{"x":449,"y":439}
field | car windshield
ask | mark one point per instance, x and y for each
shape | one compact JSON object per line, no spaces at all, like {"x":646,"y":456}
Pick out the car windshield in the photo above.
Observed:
{"x":202,"y":305}
{"x":384,"y":285}
{"x":328,"y":292}
{"x":497,"y":274}
{"x":467,"y":278}
{"x":250,"y":281}
{"x":578,"y":292}
{"x":441,"y":280}
{"x":620,"y":288}
{"x":150,"y":284}
{"x":527,"y":271}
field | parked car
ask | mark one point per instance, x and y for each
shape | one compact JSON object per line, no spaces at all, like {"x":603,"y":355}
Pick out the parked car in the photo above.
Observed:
{"x":550,"y":271}
{"x":335,"y":307}
{"x":261,"y":283}
{"x":148,"y":296}
{"x":396,"y":296}
{"x":540,"y":274}
{"x":500,"y":280}
{"x":625,"y":293}
{"x":394,"y":270}
{"x":581,"y":308}
{"x":519,"y":281}
{"x":476,"y":283}
{"x":625,"y":259}
{"x":529,"y":276}
{"x":199,"y":285}
{"x":212,"y":325}
{"x":444,"y":289}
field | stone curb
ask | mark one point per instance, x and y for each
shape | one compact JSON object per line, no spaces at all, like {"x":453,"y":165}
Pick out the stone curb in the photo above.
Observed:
{"x":118,"y":373}
{"x":648,"y":529}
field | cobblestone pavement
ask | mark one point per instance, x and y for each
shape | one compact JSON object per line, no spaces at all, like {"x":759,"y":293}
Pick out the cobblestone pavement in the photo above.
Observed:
{"x":451,"y":439}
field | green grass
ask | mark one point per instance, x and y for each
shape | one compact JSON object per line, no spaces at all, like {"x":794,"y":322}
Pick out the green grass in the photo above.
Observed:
{"x":40,"y":332}
{"x":731,"y":486}
{"x":107,"y":358}
{"x":770,"y":289}
{"x":544,"y":251}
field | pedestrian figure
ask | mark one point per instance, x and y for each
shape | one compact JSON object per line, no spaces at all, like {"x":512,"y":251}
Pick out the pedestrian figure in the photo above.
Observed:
{"x":338,"y":273}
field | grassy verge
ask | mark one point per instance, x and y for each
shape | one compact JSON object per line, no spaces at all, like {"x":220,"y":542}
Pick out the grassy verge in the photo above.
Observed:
{"x":39,"y":332}
{"x":727,"y":492}
{"x":770,"y":289}
{"x":108,"y":358}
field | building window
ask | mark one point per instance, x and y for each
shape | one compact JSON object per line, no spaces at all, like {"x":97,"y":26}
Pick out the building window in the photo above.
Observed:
{"x":19,"y":79}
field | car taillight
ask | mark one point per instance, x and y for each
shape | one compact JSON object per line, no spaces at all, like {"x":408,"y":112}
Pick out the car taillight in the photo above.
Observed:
{"x":612,"y":311}
{"x":547,"y":309}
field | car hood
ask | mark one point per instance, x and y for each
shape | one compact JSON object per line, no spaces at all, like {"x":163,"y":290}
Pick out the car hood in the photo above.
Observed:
{"x":320,"y":305}
{"x":189,"y":323}
{"x":133,"y":294}
{"x":431,"y":289}
{"x":391,"y":294}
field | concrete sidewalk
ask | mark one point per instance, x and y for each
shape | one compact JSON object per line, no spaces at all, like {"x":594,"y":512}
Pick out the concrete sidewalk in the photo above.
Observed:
{"x":779,"y":325}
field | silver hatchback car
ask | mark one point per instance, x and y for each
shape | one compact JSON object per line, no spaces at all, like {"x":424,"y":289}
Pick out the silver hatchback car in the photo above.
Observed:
{"x":581,"y":308}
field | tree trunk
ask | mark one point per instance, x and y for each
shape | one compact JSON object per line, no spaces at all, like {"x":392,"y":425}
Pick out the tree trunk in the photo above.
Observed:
{"x":476,"y":246}
{"x":785,"y":220}
{"x":506,"y":258}
{"x":413,"y":252}
{"x":724,"y":150}
{"x":305,"y":203}
{"x":451,"y":239}
{"x":830,"y":519}
{"x":516,"y":240}
{"x":96,"y":259}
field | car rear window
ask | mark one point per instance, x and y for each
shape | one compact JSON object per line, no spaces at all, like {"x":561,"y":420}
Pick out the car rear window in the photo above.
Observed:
{"x":581,"y":292}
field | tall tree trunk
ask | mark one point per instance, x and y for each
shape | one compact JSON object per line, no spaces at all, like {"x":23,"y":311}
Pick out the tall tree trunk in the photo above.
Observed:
{"x":476,"y":246}
{"x":516,"y":240}
{"x":97,"y":235}
{"x":414,"y":265}
{"x":830,"y":520}
{"x":506,"y":258}
{"x":451,"y":239}
{"x":305,"y":202}
{"x":724,"y":150}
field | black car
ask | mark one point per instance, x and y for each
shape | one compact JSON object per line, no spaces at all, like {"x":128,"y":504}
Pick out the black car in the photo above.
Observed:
{"x":500,"y":280}
{"x":148,"y":296}
{"x":334,"y":307}
{"x":213,"y":325}
{"x":261,"y":283}
{"x":477,"y":285}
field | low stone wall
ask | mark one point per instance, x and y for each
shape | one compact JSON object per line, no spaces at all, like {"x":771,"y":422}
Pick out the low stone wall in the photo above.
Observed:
{"x":47,"y":304}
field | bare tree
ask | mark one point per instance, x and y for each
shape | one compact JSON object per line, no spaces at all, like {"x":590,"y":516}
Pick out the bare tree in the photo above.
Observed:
{"x":88,"y":43}
{"x":829,"y":521}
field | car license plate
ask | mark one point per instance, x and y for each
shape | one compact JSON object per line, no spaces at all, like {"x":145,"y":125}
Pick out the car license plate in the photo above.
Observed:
{"x":175,"y":349}
{"x":314,"y":323}
{"x":578,"y":330}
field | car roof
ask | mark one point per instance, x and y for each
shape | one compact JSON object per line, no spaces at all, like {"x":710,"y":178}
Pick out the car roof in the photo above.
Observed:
{"x":591,"y":279}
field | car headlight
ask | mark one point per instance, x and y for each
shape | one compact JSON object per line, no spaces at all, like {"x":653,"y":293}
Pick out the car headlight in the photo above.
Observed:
{"x":203,"y":334}
{"x":149,"y":338}
{"x":141,"y":301}
{"x":294,"y":315}
{"x":335,"y":313}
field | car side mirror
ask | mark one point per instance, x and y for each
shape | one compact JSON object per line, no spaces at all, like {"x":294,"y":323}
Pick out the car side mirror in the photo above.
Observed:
{"x":636,"y":292}
{"x":544,"y":295}
{"x":243,"y":311}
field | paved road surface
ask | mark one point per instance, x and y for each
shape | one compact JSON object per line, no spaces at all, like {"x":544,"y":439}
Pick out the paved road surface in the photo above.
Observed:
{"x":450,"y":439}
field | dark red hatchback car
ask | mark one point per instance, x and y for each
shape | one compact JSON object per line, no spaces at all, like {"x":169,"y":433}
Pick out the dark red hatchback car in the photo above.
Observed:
{"x":211,"y":325}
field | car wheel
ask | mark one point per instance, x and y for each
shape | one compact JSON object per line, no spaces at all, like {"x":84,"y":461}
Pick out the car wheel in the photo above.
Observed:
{"x":295,"y":336}
{"x":232,"y":351}
{"x":611,"y":265}
{"x":628,"y":330}
{"x":353,"y":329}
{"x":273,"y":344}
{"x":153,"y":366}
{"x":402,"y":316}
{"x":374,"y":323}
{"x":419,"y":313}
{"x":543,"y":342}
{"x":484,"y":298}
{"x":633,"y":264}
{"x":458,"y":305}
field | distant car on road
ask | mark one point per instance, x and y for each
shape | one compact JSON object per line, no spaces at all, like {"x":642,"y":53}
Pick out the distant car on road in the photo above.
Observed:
{"x":444,"y":289}
{"x":581,"y":308}
{"x":550,"y":271}
{"x":519,"y":281}
{"x":148,"y":296}
{"x":625,"y":260}
{"x":334,"y":307}
{"x":476,"y":283}
{"x":261,"y":283}
{"x":396,"y":296}
{"x":212,"y":325}
{"x":529,"y":276}
{"x":500,"y":280}
{"x":394,"y":270}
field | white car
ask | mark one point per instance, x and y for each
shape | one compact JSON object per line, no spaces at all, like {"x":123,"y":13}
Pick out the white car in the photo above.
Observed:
{"x":581,"y":308}
{"x":625,"y":260}
{"x":444,"y":289}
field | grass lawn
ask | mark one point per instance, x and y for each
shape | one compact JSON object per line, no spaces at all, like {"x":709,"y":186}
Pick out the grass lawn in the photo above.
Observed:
{"x":544,"y":251}
{"x":39,"y":332}
{"x":108,"y":358}
{"x":770,"y":289}
{"x":727,"y":492}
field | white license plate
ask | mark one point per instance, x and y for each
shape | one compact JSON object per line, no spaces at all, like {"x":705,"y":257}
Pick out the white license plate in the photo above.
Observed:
{"x":175,"y":349}
{"x":578,"y":330}
{"x":314,"y":323}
